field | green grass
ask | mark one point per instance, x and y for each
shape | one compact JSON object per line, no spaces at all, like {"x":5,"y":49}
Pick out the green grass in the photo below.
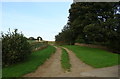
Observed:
{"x":95,"y":57}
{"x":36,"y":59}
{"x":65,"y":62}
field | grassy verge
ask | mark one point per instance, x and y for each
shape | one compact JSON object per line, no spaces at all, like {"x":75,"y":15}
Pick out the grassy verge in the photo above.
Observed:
{"x":65,"y":61}
{"x":36,"y":59}
{"x":95,"y":57}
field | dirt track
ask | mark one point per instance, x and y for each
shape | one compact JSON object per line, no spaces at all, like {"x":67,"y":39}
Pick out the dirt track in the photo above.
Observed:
{"x":52,"y":68}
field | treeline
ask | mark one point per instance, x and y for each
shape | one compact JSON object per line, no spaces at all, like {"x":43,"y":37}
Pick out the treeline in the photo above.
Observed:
{"x":92,"y":23}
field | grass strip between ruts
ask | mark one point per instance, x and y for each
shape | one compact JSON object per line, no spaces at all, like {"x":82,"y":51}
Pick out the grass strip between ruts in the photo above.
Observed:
{"x":65,"y":61}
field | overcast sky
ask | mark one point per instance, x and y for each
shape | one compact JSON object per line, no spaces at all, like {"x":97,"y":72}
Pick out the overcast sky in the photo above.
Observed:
{"x":45,"y":19}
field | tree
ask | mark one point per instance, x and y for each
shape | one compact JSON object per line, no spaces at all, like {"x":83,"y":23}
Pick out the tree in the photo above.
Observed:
{"x":95,"y":23}
{"x":31,"y":38}
{"x":39,"y":38}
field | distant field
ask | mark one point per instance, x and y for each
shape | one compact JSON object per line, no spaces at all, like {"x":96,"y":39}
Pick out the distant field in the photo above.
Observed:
{"x":37,"y":45}
{"x":95,"y":57}
{"x":36,"y":59}
{"x":31,"y":41}
{"x":51,"y":42}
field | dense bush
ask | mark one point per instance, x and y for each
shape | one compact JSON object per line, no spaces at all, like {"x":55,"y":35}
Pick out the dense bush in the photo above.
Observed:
{"x":15,"y":48}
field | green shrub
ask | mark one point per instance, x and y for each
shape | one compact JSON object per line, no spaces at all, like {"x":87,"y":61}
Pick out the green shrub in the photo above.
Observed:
{"x":15,"y":48}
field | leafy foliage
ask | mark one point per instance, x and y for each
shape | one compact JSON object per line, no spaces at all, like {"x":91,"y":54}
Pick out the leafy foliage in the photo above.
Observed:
{"x":39,"y":38}
{"x":92,"y":23}
{"x":15,"y":48}
{"x":31,"y":38}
